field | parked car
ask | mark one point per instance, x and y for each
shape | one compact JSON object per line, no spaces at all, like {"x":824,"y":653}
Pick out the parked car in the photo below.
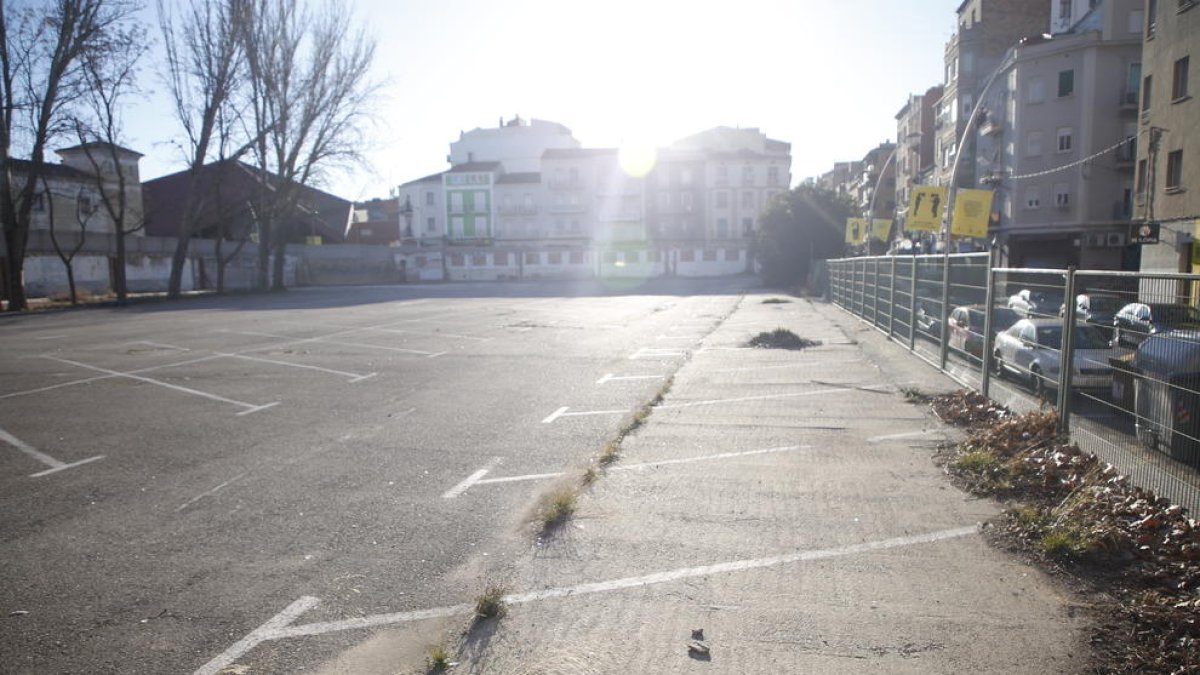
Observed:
{"x":1034,"y":303}
{"x":1138,"y":320}
{"x":966,"y":326}
{"x":1098,"y":309}
{"x":929,"y":322}
{"x":1030,"y":350}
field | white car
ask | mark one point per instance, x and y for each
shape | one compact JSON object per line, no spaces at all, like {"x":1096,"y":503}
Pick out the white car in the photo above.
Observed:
{"x":1030,"y":350}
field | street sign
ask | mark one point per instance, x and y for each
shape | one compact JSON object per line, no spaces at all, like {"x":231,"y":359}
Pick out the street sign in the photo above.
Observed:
{"x":855,"y":228}
{"x":881,"y":228}
{"x":1144,"y":233}
{"x":926,"y":208}
{"x":972,"y":209}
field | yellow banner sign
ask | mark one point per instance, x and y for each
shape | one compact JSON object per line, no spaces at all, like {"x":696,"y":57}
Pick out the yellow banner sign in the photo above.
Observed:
{"x":881,"y":228}
{"x":926,"y":208}
{"x":972,"y":211}
{"x":856,"y":228}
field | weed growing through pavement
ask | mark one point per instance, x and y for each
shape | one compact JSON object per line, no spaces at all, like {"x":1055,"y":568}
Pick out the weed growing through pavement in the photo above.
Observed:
{"x":780,"y":338}
{"x":557,"y":507}
{"x":490,"y":604}
{"x":438,"y":659}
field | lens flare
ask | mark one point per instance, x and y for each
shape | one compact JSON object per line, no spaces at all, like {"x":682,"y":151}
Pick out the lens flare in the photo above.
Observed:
{"x":637,"y":159}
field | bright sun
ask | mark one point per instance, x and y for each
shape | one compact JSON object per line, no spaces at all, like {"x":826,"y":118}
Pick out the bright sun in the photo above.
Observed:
{"x":637,"y":159}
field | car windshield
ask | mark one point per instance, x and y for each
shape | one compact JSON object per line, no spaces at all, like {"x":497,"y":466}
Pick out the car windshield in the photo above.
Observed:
{"x":1045,"y":300}
{"x":1175,"y":314}
{"x":1086,"y":337}
{"x":1002,"y":318}
{"x":1105,"y":304}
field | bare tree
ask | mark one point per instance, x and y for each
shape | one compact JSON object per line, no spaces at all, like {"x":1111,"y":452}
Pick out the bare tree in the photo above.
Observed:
{"x":84,"y":210}
{"x":308,"y":74}
{"x":112,"y":77}
{"x":204,"y":70}
{"x":42,"y":47}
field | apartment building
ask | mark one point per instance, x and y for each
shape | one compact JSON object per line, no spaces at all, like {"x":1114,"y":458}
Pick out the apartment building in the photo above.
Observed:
{"x":74,"y":190}
{"x":1056,"y":138}
{"x":838,"y":179}
{"x":517,"y":143}
{"x":986,"y":29}
{"x":1168,"y":161}
{"x":914,"y":161}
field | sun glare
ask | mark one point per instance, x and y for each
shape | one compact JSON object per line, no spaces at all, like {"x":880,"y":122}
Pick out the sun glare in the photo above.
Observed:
{"x":637,"y":159}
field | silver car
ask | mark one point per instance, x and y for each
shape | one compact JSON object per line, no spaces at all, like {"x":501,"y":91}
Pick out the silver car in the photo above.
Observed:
{"x":1030,"y":350}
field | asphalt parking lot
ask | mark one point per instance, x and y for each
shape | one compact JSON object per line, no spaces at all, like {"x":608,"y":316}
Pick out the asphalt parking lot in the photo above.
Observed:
{"x":174,"y":474}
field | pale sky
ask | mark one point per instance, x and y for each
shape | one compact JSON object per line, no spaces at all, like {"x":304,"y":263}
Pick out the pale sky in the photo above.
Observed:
{"x":827,"y":76}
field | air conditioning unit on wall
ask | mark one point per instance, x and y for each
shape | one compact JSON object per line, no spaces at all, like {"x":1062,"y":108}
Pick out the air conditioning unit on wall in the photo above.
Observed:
{"x":1093,"y":240}
{"x":1115,"y":239}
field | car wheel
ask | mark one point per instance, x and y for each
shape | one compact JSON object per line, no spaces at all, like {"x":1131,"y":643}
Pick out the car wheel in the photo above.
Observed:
{"x":1118,"y":339}
{"x":1040,"y":389}
{"x":998,"y":365}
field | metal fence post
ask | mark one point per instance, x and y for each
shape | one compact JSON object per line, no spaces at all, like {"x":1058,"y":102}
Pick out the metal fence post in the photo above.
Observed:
{"x":989,"y":340}
{"x":891,"y":303}
{"x":912,"y":307}
{"x":944,"y":348}
{"x":1066,"y":365}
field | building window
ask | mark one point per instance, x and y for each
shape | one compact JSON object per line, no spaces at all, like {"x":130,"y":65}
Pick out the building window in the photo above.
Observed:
{"x":481,"y":202}
{"x":532,"y":258}
{"x":430,"y":224}
{"x":1033,"y":199}
{"x":1140,"y":188}
{"x":576,"y":257}
{"x":687,"y":255}
{"x":1062,"y":196}
{"x":1066,"y":83}
{"x":39,"y":202}
{"x":731,"y":255}
{"x":772,"y":175}
{"x":632,"y":257}
{"x":747,"y":227}
{"x":429,"y":198}
{"x":1146,"y":88}
{"x":86,"y":207}
{"x":1175,"y":171}
{"x":1037,"y":90}
{"x":500,"y":259}
{"x":456,"y":260}
{"x":747,"y":199}
{"x":1033,"y":144}
{"x":722,"y":177}
{"x":722,"y":228}
{"x":747,"y":175}
{"x":1064,"y":139}
{"x":968,"y":104}
{"x":685,"y":177}
{"x":456,"y":202}
{"x":1137,"y":19}
{"x":722,"y":199}
{"x":685,"y":201}
{"x":554,"y":258}
{"x":1179,"y":81}
{"x":1151,"y":18}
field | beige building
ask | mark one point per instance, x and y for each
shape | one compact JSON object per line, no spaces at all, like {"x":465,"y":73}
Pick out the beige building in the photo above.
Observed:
{"x":75,"y":190}
{"x":1050,"y":140}
{"x":1168,"y":162}
{"x":986,"y":30}
{"x":914,"y":147}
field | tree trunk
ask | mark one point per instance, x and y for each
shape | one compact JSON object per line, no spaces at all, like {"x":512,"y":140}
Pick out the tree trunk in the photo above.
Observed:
{"x":14,"y":242}
{"x":262,"y":270}
{"x":177,"y":261}
{"x":71,"y":283}
{"x":277,"y":266}
{"x":120,"y":284}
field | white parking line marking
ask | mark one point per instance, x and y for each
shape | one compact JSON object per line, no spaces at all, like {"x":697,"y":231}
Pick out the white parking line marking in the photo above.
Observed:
{"x":555,"y":415}
{"x":54,"y":464}
{"x":250,"y":407}
{"x":610,"y":377}
{"x":50,"y":337}
{"x":632,"y":467}
{"x":208,"y":493}
{"x":896,"y":437}
{"x":471,"y":480}
{"x":279,"y":627}
{"x":264,"y":632}
{"x":354,"y":377}
{"x":159,"y":345}
{"x":455,"y":336}
{"x":679,"y":337}
{"x":651,"y":353}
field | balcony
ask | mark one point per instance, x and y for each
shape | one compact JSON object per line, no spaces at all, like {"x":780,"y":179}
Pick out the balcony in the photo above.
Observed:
{"x":1129,"y":99}
{"x":1126,"y":154}
{"x":518,"y":210}
{"x":991,"y":125}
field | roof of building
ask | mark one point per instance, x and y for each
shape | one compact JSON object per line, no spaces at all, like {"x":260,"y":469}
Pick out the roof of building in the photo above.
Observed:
{"x":100,"y":144}
{"x":431,"y":178}
{"x":523,"y":177}
{"x":52,"y":170}
{"x":572,"y":153}
{"x":477,"y":167}
{"x":233,"y":186}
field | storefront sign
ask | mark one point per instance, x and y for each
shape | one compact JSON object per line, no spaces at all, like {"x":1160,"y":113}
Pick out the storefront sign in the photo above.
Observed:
{"x":1144,"y":233}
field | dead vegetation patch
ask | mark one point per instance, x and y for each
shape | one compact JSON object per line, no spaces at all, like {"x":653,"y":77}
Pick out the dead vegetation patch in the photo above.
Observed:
{"x":1134,"y":553}
{"x":780,"y":338}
